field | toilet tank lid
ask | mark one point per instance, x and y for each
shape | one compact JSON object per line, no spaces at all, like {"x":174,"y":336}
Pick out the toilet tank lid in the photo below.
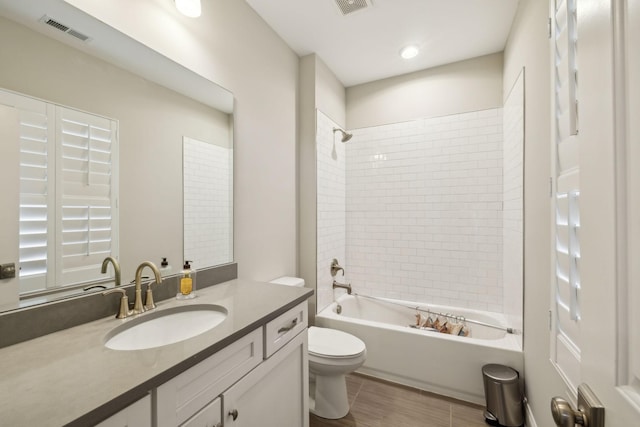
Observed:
{"x":289,"y":281}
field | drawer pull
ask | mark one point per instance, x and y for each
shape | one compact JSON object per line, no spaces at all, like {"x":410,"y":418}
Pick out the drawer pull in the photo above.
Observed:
{"x":234,"y":414}
{"x":290,"y":327}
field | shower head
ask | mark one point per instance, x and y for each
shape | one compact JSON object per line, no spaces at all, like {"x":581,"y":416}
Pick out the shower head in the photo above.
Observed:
{"x":345,"y":136}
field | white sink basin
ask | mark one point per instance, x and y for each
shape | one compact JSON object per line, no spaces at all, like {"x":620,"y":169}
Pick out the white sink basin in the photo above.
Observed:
{"x":163,"y":327}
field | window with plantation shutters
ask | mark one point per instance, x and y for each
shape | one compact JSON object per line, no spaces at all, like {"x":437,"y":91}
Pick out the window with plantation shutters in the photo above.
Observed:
{"x":566,"y":196}
{"x":85,"y":205}
{"x":68,"y":193}
{"x":37,"y":194}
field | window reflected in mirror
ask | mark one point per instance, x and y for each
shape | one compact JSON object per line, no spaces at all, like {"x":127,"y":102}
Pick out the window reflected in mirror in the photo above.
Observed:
{"x":68,"y":221}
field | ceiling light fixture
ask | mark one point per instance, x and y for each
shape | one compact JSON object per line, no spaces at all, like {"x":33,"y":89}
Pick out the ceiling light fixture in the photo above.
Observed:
{"x":190,"y":8}
{"x":409,"y":52}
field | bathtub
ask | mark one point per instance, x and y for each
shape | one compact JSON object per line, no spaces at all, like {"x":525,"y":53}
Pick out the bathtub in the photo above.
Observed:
{"x":432,"y":361}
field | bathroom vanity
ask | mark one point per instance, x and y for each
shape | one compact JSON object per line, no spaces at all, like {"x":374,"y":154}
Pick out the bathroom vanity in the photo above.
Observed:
{"x":251,"y":369}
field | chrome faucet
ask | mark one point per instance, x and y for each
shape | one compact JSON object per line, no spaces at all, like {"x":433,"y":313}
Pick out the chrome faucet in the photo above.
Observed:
{"x":116,"y":268}
{"x":150,"y":305}
{"x":335,"y":267}
{"x":346,"y":286}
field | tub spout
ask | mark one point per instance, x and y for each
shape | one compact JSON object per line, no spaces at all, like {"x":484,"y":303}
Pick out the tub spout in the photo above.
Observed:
{"x":346,"y":286}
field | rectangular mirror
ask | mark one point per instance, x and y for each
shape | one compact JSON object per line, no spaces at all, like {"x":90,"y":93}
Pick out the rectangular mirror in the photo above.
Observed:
{"x":60,"y":55}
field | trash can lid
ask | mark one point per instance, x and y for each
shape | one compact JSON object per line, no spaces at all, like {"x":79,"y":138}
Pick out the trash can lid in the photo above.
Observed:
{"x":500,"y":373}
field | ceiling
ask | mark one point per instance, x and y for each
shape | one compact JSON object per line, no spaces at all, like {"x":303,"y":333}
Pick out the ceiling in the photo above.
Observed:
{"x":364,"y":45}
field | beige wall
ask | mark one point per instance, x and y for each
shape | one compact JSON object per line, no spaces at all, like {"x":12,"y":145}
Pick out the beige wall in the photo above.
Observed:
{"x":528,"y":47}
{"x":152,"y":121}
{"x":471,"y":85}
{"x":330,"y":93}
{"x":233,"y":47}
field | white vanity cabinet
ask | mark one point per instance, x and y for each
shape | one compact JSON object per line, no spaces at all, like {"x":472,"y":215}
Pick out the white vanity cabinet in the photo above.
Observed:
{"x":274,"y":394}
{"x":137,"y":414}
{"x":259,"y":380}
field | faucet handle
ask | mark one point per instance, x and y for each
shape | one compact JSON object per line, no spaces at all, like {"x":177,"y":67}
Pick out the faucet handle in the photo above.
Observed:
{"x":335,"y":267}
{"x":149,"y":303}
{"x":123,"y":311}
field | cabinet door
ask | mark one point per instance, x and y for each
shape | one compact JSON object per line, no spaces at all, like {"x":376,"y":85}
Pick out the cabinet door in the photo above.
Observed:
{"x":209,"y":416}
{"x":274,"y":394}
{"x":135,"y":415}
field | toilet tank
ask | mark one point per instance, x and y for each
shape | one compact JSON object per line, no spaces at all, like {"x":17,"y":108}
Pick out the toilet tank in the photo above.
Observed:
{"x":289,"y":281}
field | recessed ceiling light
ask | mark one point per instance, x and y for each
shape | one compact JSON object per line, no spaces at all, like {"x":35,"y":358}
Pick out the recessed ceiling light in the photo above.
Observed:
{"x":409,"y":52}
{"x":190,"y":8}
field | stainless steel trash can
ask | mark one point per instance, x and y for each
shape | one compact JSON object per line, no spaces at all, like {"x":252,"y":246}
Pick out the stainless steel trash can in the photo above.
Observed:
{"x":502,"y":393}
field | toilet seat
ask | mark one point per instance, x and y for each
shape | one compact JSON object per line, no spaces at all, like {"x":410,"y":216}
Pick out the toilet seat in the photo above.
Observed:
{"x":334,"y":344}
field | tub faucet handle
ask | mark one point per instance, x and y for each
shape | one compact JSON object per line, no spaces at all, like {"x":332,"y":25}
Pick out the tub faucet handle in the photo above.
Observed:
{"x":335,"y":267}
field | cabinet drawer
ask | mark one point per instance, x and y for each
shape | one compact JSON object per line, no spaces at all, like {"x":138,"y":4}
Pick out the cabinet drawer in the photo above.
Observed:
{"x":209,"y":416}
{"x":282,"y":329}
{"x":183,"y":396}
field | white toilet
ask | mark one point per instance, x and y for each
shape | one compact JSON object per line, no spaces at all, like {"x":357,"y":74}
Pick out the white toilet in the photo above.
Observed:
{"x":332,"y":355}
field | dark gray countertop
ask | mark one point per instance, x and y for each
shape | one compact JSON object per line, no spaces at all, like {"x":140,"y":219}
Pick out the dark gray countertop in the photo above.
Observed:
{"x":69,"y":377}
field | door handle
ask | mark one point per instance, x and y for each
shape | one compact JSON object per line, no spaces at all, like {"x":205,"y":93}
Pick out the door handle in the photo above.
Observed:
{"x":564,"y":415}
{"x":590,"y":411}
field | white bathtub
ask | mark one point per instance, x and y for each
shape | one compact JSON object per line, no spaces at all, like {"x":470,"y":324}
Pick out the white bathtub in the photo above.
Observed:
{"x":436,"y":362}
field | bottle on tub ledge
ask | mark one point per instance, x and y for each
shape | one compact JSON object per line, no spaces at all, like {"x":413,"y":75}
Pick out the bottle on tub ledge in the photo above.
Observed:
{"x":187,"y":282}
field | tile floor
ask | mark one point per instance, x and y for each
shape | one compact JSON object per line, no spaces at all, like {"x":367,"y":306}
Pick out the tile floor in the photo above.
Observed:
{"x":377,"y":403}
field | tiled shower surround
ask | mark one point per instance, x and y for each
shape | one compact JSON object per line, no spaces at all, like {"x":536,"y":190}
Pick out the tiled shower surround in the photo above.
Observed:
{"x":422,"y":213}
{"x":207,"y":205}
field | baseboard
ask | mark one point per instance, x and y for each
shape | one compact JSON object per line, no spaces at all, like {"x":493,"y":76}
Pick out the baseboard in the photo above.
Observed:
{"x":530,"y":421}
{"x":421,"y":385}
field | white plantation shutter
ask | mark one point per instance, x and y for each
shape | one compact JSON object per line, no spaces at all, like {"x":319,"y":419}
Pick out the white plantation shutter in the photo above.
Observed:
{"x":37,"y":195}
{"x":86,"y":220}
{"x":566,"y":334}
{"x":68,"y":193}
{"x":566,"y":70}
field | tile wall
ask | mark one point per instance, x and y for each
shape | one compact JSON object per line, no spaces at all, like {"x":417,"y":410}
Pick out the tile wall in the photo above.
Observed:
{"x":424,"y":210}
{"x":207,"y":204}
{"x":415,"y":210}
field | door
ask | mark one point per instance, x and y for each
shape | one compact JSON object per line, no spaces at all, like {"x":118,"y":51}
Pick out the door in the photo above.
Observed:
{"x":608,"y":64}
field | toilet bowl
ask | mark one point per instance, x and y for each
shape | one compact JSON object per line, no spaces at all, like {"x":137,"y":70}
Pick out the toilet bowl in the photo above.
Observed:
{"x":332,"y":355}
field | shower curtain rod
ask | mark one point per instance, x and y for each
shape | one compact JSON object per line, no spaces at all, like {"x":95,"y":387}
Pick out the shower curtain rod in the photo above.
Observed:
{"x":447,"y":315}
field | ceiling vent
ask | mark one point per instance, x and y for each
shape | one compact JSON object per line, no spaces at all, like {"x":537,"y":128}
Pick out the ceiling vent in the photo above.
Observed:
{"x":350,"y":6}
{"x":61,"y":27}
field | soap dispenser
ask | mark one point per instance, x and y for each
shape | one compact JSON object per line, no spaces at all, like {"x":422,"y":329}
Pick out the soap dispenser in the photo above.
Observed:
{"x":187,"y":284}
{"x":165,"y":268}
